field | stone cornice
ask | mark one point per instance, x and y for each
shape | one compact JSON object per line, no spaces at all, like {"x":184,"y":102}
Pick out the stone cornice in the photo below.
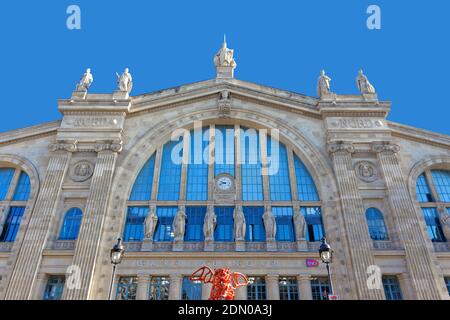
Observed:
{"x":419,"y":135}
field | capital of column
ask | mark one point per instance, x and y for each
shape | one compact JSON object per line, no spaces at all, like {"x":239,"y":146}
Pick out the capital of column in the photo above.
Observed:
{"x":69,"y":146}
{"x":379,"y":147}
{"x":272,"y":277}
{"x":340,"y":147}
{"x":114,"y":146}
{"x":304,"y":277}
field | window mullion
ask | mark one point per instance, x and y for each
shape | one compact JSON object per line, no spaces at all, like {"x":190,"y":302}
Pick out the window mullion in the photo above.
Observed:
{"x":186,"y":151}
{"x":433,"y":191}
{"x":293,"y":177}
{"x":211,"y":159}
{"x":264,"y":164}
{"x":13,"y":185}
{"x":156,"y":173}
{"x":238,"y":161}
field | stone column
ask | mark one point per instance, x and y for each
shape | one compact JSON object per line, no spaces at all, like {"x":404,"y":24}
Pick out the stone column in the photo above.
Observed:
{"x":30,"y":255}
{"x":39,"y":286}
{"x":206,"y":290}
{"x":304,"y":287}
{"x":142,"y":287}
{"x":88,"y":242}
{"x":405,"y":285}
{"x":360,"y":244}
{"x":175,"y":286}
{"x":420,"y":258}
{"x":241,"y":293}
{"x":273,"y":287}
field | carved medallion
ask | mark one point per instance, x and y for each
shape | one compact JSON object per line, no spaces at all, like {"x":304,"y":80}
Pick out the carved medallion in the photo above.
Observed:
{"x":366,"y":171}
{"x":82,"y":171}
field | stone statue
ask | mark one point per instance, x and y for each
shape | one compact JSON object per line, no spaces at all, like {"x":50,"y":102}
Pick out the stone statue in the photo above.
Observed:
{"x":150,"y":223}
{"x":124,"y":82}
{"x":300,"y":225}
{"x":323,"y":84}
{"x":85,"y":81}
{"x":224,"y":57}
{"x":209,"y":224}
{"x":444,"y":218}
{"x":2,"y":217}
{"x":239,"y":224}
{"x":270,"y":224}
{"x":363,"y":84}
{"x":179,"y":224}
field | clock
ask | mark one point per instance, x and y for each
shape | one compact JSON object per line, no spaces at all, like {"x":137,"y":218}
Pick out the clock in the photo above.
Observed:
{"x":224,"y":183}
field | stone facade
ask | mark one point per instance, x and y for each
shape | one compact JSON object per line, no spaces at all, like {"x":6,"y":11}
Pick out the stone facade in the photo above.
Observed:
{"x":91,"y":158}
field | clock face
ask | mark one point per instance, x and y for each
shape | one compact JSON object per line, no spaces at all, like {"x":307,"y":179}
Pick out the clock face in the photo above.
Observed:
{"x":224,"y":183}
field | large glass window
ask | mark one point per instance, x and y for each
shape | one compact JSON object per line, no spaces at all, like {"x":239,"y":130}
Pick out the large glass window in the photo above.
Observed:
{"x":320,"y":288}
{"x":159,"y":288}
{"x":164,"y":230}
{"x":142,"y":188}
{"x":195,"y":217}
{"x":126,"y":288}
{"x":169,"y":178}
{"x":225,"y":224}
{"x":6,"y":175}
{"x":255,"y":224}
{"x":134,"y":225}
{"x":433,"y":224}
{"x":197,"y":171}
{"x":224,"y":152}
{"x":285,"y":225}
{"x":256,"y":289}
{"x":313,"y":218}
{"x":423,"y":190}
{"x":279,"y":183}
{"x":12,"y":224}
{"x":191,"y":290}
{"x":288,"y":288}
{"x":391,"y":287}
{"x":71,"y":224}
{"x":23,"y":187}
{"x":54,"y":288}
{"x":305,"y":184}
{"x":252,"y":181}
{"x":441,"y":181}
{"x":375,"y":222}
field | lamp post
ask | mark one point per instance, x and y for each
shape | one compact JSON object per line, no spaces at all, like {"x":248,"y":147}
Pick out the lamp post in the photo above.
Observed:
{"x":326,"y":254}
{"x":117,"y":253}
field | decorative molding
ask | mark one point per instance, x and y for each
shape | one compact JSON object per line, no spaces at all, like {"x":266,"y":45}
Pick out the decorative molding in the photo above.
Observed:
{"x":356,"y":123}
{"x":114,"y":146}
{"x":64,"y":146}
{"x":366,"y":171}
{"x":82,"y":171}
{"x":224,"y":104}
{"x":340,"y":146}
{"x":379,"y":147}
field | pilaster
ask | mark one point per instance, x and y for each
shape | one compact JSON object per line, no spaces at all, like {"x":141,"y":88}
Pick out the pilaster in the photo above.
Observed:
{"x":273,"y":288}
{"x":175,"y":286}
{"x":304,"y":286}
{"x":142,"y":287}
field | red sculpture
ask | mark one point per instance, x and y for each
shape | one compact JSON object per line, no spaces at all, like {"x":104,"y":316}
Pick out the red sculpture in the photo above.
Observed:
{"x":224,"y":283}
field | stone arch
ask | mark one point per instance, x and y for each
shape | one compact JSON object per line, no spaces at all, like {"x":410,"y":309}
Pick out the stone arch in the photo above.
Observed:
{"x":435,"y":162}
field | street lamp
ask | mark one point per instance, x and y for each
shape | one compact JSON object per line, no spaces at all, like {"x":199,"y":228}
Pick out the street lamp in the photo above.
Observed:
{"x":117,"y":252}
{"x":326,"y":254}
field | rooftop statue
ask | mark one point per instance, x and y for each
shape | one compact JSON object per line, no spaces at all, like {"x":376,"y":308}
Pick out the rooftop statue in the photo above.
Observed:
{"x":323,"y":84}
{"x":85,"y":81}
{"x":124,"y":81}
{"x":224,"y":57}
{"x":363,"y":84}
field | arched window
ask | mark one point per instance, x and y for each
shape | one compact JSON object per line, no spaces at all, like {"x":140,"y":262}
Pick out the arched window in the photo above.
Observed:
{"x":224,"y":166}
{"x":71,"y":224}
{"x":375,"y":222}
{"x":14,"y":193}
{"x":433,"y":191}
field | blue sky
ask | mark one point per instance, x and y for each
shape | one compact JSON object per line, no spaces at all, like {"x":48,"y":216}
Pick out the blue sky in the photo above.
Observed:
{"x":283,"y":44}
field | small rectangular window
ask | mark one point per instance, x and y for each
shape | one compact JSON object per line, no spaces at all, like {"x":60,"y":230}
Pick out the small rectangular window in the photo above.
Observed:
{"x":6,"y":175}
{"x":134,"y":225}
{"x":288,"y":288}
{"x":159,"y":288}
{"x":320,"y":288}
{"x":433,"y":224}
{"x":225,"y":224}
{"x":126,"y":288}
{"x":256,"y":289}
{"x":285,"y":225}
{"x":391,"y":287}
{"x":54,"y":288}
{"x":313,"y":218}
{"x":164,"y":230}
{"x":195,"y":217}
{"x":191,"y":290}
{"x":12,"y":224}
{"x":255,"y":225}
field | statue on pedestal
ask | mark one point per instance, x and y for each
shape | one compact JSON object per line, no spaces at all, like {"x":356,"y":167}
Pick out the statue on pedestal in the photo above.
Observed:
{"x":239,"y":224}
{"x":300,"y":225}
{"x":444,"y":218}
{"x":224,"y":57}
{"x":150,"y":223}
{"x":179,"y":224}
{"x":323,"y":84}
{"x":85,"y":81}
{"x":124,"y":81}
{"x":270,"y":224}
{"x":363,"y":84}
{"x":209,"y":224}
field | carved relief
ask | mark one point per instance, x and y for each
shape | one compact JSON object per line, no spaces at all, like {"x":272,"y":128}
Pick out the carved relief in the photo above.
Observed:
{"x":63,"y":146}
{"x":356,"y":123}
{"x":91,"y":122}
{"x":341,"y":146}
{"x":385,"y":147}
{"x":366,"y":171}
{"x":224,"y":104}
{"x":115,"y":146}
{"x":82,"y":171}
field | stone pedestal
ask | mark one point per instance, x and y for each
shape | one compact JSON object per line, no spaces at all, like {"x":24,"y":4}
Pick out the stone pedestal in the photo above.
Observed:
{"x":79,"y":95}
{"x":147,"y":245}
{"x":240,"y":245}
{"x":271,"y":245}
{"x":209,"y":245}
{"x":120,"y":95}
{"x":178,"y":246}
{"x":225,"y":72}
{"x":302,"y":245}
